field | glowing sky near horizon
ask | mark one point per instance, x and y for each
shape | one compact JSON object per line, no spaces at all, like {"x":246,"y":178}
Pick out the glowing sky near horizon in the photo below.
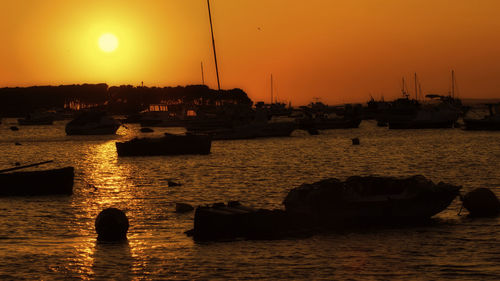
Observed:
{"x":337,"y":51}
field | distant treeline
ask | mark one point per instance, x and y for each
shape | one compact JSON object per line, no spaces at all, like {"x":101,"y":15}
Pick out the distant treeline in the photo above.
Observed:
{"x":125,"y":99}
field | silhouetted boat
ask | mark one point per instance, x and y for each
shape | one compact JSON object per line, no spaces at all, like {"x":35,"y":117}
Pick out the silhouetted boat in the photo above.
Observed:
{"x":410,"y":114}
{"x":325,"y":123}
{"x":169,"y":144}
{"x":251,"y":131}
{"x":37,"y":118}
{"x":92,"y":123}
{"x":33,"y":183}
{"x":371,"y":199}
{"x":489,"y":122}
{"x":322,"y":117}
{"x":328,"y":204}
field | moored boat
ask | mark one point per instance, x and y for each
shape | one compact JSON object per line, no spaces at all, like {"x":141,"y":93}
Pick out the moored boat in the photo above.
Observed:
{"x":92,"y":123}
{"x":169,"y":144}
{"x":326,"y":205}
{"x":489,"y":122}
{"x":370,"y":199}
{"x":34,"y":183}
{"x":36,"y":118}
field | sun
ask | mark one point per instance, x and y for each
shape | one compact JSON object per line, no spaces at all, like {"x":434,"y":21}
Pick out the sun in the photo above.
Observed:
{"x":108,"y":42}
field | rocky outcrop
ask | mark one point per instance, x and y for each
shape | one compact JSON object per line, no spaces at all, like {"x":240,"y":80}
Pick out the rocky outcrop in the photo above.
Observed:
{"x":481,"y":202}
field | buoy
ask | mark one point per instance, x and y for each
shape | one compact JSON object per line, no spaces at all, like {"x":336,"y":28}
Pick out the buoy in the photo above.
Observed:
{"x":183,"y":208}
{"x":111,"y":225}
{"x":355,"y":141}
{"x":17,"y":143}
{"x":481,"y":202}
{"x":14,"y":128}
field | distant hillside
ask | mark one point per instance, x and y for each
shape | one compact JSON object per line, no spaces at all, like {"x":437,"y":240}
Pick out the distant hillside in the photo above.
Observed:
{"x":124,"y":99}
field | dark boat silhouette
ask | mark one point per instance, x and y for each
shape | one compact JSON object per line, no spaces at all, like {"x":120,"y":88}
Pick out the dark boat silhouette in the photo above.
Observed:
{"x":370,"y":199}
{"x":489,"y":122}
{"x":329,"y":204}
{"x":169,"y":144}
{"x":34,"y":183}
{"x":92,"y":123}
{"x":406,"y":113}
{"x":36,"y":118}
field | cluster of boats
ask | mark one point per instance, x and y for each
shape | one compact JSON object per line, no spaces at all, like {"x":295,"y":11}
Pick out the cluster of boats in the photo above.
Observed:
{"x":400,"y":114}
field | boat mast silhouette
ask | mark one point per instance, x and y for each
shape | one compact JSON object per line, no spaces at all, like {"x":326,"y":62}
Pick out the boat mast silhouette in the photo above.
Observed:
{"x":202,"y":75}
{"x":213,"y":44}
{"x":271,"y":89}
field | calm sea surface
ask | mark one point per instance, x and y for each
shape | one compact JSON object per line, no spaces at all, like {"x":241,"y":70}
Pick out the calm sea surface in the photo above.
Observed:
{"x":54,"y":237}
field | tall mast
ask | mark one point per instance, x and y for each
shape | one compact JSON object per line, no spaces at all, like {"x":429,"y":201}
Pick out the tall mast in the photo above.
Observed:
{"x":416,"y":91}
{"x":213,"y":44}
{"x":202,"y":75}
{"x":403,"y":88}
{"x":271,"y":89}
{"x":452,"y":83}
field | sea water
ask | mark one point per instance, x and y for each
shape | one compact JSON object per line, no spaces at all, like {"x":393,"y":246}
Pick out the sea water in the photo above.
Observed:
{"x":53,"y":237}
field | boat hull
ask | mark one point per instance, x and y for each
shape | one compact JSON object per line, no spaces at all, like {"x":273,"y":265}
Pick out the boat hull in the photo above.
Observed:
{"x":92,"y":130}
{"x":35,"y":183}
{"x":421,"y":124}
{"x":168,"y":145}
{"x":27,"y":122}
{"x":485,"y":125}
{"x":333,"y":203}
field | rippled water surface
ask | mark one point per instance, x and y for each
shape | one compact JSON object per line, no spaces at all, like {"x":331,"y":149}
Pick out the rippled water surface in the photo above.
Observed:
{"x":54,"y":237}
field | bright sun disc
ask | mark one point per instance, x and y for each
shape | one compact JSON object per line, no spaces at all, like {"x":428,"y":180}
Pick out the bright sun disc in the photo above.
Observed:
{"x":108,"y":42}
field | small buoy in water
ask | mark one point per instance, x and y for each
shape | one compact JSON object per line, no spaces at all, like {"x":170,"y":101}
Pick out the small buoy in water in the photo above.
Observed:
{"x":111,"y":225}
{"x":355,"y":141}
{"x":183,"y":208}
{"x":14,"y":128}
{"x":17,"y":143}
{"x":147,"y":130}
{"x":481,"y":202}
{"x":173,"y":183}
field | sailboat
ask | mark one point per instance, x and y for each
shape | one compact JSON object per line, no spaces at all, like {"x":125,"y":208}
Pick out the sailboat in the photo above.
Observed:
{"x":430,"y":116}
{"x":255,"y":125}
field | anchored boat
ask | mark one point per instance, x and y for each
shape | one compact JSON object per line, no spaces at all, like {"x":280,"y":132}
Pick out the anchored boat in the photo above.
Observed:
{"x":170,"y":144}
{"x":34,"y":183}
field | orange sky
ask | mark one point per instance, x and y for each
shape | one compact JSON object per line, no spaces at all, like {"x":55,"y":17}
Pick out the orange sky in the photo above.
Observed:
{"x":337,"y":51}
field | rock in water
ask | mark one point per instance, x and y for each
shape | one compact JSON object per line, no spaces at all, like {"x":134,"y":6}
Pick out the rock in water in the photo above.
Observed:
{"x":111,"y":225}
{"x":183,"y":208}
{"x":481,"y":202}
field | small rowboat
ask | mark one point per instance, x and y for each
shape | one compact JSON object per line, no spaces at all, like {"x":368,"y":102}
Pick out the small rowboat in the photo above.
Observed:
{"x":34,"y":183}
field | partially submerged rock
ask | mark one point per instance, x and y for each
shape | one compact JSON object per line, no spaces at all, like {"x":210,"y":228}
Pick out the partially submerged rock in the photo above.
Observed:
{"x":481,"y":202}
{"x":183,"y":208}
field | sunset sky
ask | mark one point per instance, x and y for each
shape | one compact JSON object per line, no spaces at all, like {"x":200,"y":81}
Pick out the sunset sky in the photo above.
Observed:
{"x":334,"y":51}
